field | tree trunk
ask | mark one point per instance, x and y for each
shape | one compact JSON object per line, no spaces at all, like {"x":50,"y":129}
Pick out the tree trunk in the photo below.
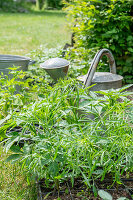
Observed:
{"x":1,"y":3}
{"x":40,"y":4}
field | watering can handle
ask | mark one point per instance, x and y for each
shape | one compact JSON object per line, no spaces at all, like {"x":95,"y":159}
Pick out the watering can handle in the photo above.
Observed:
{"x":95,"y":62}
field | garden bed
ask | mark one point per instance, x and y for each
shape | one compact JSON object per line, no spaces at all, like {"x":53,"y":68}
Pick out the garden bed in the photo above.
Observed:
{"x":80,"y":190}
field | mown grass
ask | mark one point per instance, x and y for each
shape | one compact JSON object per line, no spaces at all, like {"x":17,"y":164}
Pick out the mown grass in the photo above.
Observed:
{"x":13,"y":181}
{"x":22,"y":32}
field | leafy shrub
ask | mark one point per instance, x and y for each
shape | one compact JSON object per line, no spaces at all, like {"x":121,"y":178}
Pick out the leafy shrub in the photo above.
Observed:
{"x":13,"y":6}
{"x":104,"y":24}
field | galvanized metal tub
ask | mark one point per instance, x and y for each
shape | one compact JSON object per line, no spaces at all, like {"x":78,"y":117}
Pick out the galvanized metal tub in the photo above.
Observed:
{"x":7,"y":61}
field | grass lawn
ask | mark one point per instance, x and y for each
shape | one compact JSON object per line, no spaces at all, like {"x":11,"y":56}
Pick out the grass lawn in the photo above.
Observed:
{"x":23,"y":32}
{"x":13,"y":182}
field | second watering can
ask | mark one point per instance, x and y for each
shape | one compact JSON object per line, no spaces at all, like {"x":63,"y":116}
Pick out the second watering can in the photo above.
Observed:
{"x":103,"y":80}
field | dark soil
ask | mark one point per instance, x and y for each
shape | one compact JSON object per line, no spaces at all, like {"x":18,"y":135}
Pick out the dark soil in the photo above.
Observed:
{"x":81,"y":192}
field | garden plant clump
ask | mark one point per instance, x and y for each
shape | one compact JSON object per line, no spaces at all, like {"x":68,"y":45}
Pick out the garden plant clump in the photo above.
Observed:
{"x":57,"y":140}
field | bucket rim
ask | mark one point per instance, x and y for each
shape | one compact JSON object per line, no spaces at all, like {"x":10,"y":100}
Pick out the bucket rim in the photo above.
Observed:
{"x":9,"y":58}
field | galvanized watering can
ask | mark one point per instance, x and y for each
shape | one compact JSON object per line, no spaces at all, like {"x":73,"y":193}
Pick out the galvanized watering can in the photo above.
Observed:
{"x":103,"y":80}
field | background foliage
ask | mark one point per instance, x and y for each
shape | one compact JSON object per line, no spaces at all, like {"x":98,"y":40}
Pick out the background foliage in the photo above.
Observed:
{"x":41,"y":4}
{"x":14,"y":6}
{"x":54,"y":3}
{"x":104,"y":24}
{"x":19,"y":5}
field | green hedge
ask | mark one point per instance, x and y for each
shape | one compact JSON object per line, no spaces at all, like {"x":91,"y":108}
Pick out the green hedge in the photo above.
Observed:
{"x":14,"y":5}
{"x":104,"y":24}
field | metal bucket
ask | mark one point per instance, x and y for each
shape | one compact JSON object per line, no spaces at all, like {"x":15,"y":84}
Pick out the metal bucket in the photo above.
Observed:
{"x":7,"y":61}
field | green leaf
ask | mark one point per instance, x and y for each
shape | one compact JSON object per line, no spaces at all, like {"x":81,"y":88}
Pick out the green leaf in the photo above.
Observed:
{"x":5,"y":119}
{"x":26,"y":148}
{"x":94,"y":190}
{"x":84,"y":103}
{"x":46,"y":196}
{"x":2,"y":133}
{"x":129,"y":38}
{"x":125,"y":69}
{"x":86,"y":179}
{"x":112,"y":47}
{"x":122,"y":198}
{"x":10,"y":143}
{"x":66,"y":191}
{"x":104,"y":195}
{"x":125,"y":87}
{"x":13,"y":157}
{"x":16,"y":149}
{"x":130,"y":49}
{"x":54,"y":168}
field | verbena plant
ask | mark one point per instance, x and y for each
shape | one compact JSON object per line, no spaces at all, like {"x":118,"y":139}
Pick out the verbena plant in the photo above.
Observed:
{"x":69,"y":134}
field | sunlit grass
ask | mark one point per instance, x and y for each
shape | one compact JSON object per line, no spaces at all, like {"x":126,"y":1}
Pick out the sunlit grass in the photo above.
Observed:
{"x":13,"y":181}
{"x":22,"y":32}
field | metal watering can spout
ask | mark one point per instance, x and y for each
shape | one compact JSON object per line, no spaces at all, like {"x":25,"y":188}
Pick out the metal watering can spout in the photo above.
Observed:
{"x":103,"y":80}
